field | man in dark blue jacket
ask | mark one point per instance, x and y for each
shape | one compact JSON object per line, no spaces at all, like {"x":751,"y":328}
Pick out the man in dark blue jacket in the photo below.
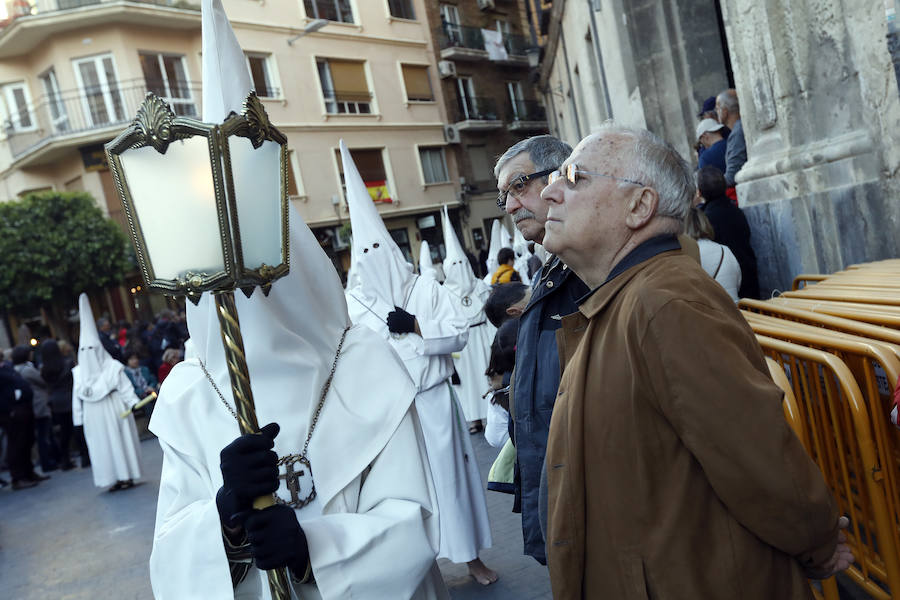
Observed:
{"x":521,"y":176}
{"x":17,"y":418}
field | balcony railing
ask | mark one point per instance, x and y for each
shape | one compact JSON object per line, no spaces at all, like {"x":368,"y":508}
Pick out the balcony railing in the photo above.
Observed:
{"x":78,"y":112}
{"x":347,"y":103}
{"x":463,"y":36}
{"x":526,"y":110}
{"x":476,"y":109}
{"x":43,"y":7}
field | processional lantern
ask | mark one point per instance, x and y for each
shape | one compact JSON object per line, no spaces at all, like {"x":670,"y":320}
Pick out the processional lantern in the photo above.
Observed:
{"x":207,"y":209}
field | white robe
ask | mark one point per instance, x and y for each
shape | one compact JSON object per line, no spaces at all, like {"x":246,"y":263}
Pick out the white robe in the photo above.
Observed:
{"x":113,"y":443}
{"x":371,"y":530}
{"x":472,"y":361}
{"x":464,"y":524}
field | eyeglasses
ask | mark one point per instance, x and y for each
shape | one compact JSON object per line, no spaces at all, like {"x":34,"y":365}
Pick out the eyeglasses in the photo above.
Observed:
{"x":518,"y":186}
{"x":572,"y":172}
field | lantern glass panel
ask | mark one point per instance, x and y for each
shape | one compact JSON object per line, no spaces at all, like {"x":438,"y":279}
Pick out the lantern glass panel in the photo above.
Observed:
{"x":258,"y":189}
{"x":174,"y":198}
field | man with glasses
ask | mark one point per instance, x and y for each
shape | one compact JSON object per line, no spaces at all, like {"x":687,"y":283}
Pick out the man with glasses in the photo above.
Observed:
{"x":521,"y":175}
{"x":671,"y":471}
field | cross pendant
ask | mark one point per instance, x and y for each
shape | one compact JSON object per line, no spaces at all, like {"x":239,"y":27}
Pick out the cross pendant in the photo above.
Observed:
{"x":298,"y":480}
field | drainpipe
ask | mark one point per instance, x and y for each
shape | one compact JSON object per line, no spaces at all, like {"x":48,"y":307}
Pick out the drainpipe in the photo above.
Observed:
{"x":595,"y":34}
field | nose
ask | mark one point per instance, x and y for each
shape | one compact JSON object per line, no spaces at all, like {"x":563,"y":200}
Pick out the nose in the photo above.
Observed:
{"x":512,"y":204}
{"x":553,"y":193}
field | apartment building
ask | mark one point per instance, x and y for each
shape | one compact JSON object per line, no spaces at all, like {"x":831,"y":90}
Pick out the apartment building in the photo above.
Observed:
{"x":485,"y":56}
{"x":73,"y":73}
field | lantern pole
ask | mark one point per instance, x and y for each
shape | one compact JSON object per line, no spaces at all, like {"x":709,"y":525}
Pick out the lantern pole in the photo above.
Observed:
{"x":244,"y":406}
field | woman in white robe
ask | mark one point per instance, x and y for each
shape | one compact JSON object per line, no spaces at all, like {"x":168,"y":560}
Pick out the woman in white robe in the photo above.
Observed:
{"x":384,"y":282}
{"x":101,"y":392}
{"x":470,"y":294}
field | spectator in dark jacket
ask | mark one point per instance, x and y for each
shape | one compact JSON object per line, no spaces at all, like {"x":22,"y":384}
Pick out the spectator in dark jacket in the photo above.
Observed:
{"x":17,"y":419}
{"x":111,"y":345}
{"x":56,"y":371}
{"x":43,"y":417}
{"x":730,"y":226}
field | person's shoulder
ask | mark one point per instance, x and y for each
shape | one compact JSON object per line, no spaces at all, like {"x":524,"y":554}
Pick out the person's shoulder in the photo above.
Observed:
{"x":673,"y":278}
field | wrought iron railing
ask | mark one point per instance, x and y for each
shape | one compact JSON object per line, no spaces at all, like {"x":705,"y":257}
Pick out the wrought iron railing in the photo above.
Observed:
{"x":43,"y":7}
{"x":526,"y":110}
{"x":99,"y":107}
{"x":475,"y":109}
{"x":463,"y":36}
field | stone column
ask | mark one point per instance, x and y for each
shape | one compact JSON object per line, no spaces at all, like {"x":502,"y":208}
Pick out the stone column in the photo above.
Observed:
{"x":821,"y":115}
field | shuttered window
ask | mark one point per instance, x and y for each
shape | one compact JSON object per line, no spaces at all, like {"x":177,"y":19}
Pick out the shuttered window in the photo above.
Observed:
{"x":418,"y":88}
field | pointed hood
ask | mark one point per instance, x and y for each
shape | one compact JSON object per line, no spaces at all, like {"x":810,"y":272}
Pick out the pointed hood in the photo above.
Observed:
{"x":426,"y":266}
{"x":458,"y":275}
{"x":506,"y":237}
{"x":97,"y":370}
{"x":520,"y":247}
{"x":381,"y":274}
{"x":494,"y":246}
{"x":226,"y":80}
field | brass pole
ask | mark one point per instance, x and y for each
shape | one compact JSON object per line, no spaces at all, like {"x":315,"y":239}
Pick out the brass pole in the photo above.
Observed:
{"x":246,"y":410}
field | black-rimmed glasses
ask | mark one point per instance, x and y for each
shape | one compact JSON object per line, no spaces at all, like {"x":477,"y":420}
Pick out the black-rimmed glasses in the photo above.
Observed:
{"x":572,"y":172}
{"x":518,"y":186}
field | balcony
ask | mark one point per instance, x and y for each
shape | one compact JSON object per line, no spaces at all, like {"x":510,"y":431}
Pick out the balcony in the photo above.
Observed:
{"x":55,"y":125}
{"x":476,"y":114}
{"x":527,"y":115}
{"x":32,"y":23}
{"x":460,"y":42}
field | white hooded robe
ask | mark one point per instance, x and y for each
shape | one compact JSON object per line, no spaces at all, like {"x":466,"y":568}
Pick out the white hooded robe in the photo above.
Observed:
{"x":384,"y":280}
{"x":100,"y":393}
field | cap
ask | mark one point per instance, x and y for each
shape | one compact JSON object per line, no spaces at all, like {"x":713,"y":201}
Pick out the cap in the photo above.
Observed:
{"x":708,"y":105}
{"x":707,"y":125}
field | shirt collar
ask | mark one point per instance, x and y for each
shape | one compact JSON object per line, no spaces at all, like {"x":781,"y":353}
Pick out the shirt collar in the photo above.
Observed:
{"x":645,"y":251}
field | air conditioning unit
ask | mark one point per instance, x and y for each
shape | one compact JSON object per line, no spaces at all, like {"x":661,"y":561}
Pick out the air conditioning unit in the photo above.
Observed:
{"x":446,"y":68}
{"x":451,"y":134}
{"x":486,"y":4}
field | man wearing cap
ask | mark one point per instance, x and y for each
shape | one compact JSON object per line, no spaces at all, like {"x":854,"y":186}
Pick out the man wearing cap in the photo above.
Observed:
{"x":709,"y":135}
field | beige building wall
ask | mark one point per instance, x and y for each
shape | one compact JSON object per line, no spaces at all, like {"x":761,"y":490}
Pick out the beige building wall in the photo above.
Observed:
{"x":31,"y":45}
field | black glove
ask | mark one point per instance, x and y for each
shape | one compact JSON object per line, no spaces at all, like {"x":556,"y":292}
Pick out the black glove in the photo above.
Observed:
{"x":400,"y":321}
{"x":249,"y":470}
{"x":277,"y":540}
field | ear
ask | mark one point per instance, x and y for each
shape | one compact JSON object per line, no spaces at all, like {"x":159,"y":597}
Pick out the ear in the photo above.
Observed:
{"x":641,"y":208}
{"x":514,"y":311}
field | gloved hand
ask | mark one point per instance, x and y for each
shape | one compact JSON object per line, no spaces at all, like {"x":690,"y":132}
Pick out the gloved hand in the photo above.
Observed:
{"x":400,"y":321}
{"x":249,"y":470}
{"x":277,"y":540}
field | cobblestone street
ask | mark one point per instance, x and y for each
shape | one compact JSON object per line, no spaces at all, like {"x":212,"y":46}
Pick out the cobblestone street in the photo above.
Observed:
{"x":67,"y":540}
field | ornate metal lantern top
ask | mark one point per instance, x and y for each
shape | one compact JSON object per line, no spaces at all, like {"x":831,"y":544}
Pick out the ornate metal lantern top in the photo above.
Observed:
{"x":207,"y":204}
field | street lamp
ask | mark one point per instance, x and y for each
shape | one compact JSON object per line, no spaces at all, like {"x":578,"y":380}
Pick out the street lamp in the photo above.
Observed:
{"x":311,"y":27}
{"x":207,"y":209}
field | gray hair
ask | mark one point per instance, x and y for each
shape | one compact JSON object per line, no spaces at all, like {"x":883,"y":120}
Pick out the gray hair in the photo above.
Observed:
{"x":657,"y":164}
{"x":728,"y":100}
{"x":545,"y":151}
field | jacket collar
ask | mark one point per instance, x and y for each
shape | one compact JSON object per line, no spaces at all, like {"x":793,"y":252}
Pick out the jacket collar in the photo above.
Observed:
{"x":595,"y":300}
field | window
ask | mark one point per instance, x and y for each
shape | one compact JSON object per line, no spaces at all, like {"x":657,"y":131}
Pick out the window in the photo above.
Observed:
{"x":418,"y":88}
{"x":434,"y":166}
{"x":166,"y":77}
{"x":332,"y":10}
{"x":59,"y":118}
{"x":481,"y":163}
{"x":261,"y":72}
{"x":371,"y":168}
{"x":401,"y":9}
{"x":465,"y":98}
{"x":503,"y":27}
{"x":18,"y":106}
{"x":516,"y":100}
{"x":344,"y":87}
{"x":101,"y":97}
{"x":401,"y":238}
{"x":450,"y":22}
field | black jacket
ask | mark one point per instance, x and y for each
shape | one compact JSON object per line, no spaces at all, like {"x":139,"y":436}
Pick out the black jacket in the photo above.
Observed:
{"x":10,"y":381}
{"x":731,"y":229}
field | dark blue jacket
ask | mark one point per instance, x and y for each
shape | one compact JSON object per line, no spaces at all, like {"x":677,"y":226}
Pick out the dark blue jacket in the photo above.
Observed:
{"x":535,"y":384}
{"x":714,"y":156}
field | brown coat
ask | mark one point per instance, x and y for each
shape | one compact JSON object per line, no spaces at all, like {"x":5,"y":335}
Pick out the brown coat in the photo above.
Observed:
{"x":671,"y":471}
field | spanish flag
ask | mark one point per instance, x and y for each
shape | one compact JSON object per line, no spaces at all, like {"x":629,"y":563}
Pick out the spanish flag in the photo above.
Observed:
{"x":379,"y":191}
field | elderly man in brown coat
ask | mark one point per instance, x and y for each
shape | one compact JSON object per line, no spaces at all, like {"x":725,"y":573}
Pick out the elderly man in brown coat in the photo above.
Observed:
{"x":671,"y":472}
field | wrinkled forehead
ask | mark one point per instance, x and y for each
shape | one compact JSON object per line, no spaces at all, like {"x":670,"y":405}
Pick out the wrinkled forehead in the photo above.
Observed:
{"x":600,"y":150}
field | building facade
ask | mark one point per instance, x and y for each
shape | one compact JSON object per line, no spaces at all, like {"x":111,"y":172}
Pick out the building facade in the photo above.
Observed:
{"x":482,"y":51}
{"x":819,"y":104}
{"x":73,"y":73}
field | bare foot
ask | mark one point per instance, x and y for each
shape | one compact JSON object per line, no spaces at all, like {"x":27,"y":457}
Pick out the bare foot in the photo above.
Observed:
{"x":481,"y":573}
